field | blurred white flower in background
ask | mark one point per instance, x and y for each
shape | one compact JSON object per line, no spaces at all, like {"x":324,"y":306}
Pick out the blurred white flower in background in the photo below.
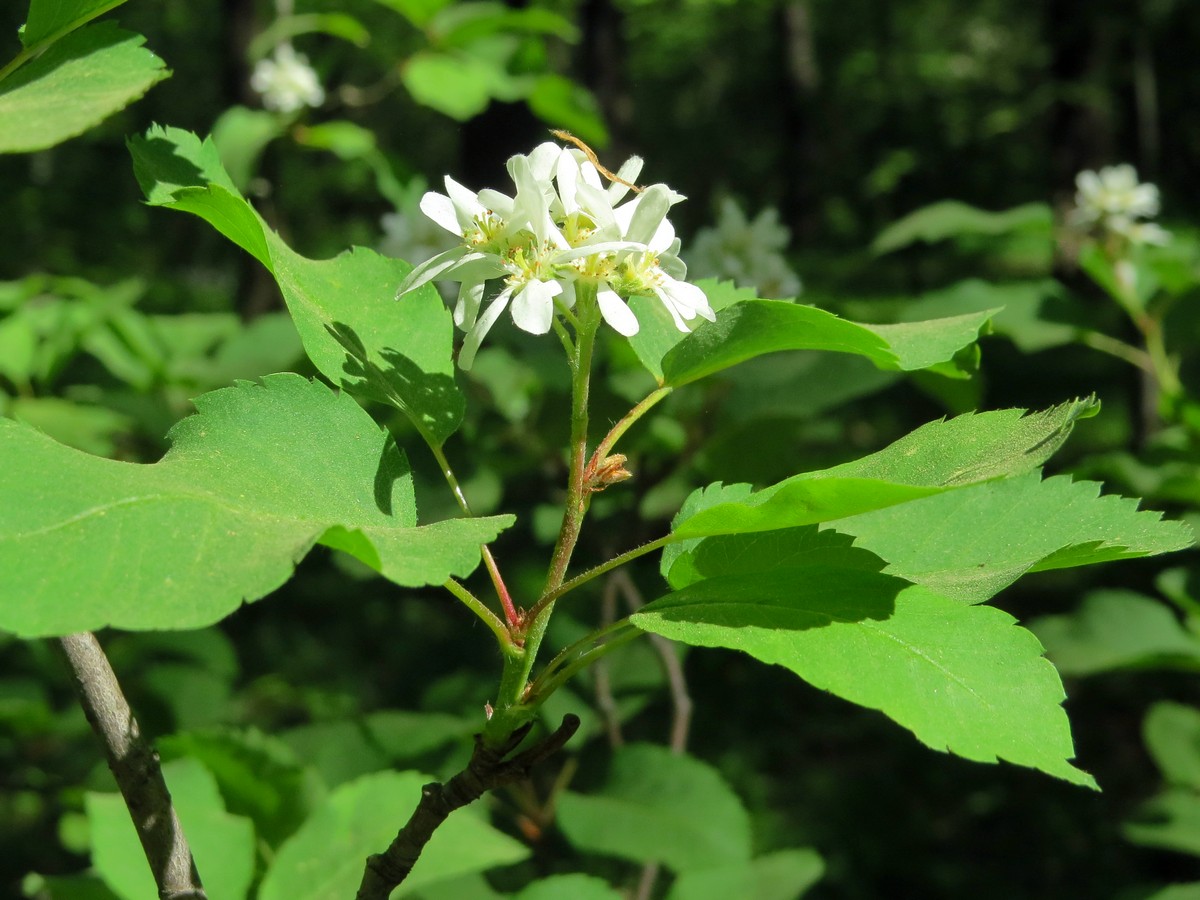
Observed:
{"x":286,"y":82}
{"x":564,"y":233}
{"x":1113,"y":200}
{"x":747,"y":252}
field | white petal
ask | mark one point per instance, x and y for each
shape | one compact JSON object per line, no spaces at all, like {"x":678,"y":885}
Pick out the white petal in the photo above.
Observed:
{"x":629,"y":171}
{"x":543,"y":159}
{"x":466,"y":204}
{"x":598,"y":247}
{"x":567,"y":177}
{"x":591,"y":175}
{"x":431,"y":269}
{"x":470,"y":346}
{"x":440,"y":209}
{"x":595,"y":203}
{"x":688,"y":298}
{"x":533,"y":307}
{"x":664,"y":237}
{"x":467,"y":308}
{"x":666,"y":301}
{"x":500,"y":204}
{"x":617,"y":313}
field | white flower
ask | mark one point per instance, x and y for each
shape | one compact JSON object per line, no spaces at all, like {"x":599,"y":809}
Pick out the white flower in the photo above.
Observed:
{"x":561,"y":236}
{"x":747,"y":252}
{"x":1113,"y":200}
{"x":286,"y":82}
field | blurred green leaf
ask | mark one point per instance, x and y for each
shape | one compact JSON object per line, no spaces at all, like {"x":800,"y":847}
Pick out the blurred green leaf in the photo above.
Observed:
{"x":951,"y":218}
{"x":457,"y":84}
{"x":324,"y":859}
{"x":92,"y":429}
{"x":562,"y":103}
{"x":258,"y":775}
{"x":657,"y":806}
{"x":1172,"y":735}
{"x":262,"y":473}
{"x":75,"y":84}
{"x":576,"y":887}
{"x":286,"y":27}
{"x":782,"y":875}
{"x":222,"y":844}
{"x":1170,"y":821}
{"x":1116,"y":629}
{"x":963,"y":679}
{"x":241,"y":134}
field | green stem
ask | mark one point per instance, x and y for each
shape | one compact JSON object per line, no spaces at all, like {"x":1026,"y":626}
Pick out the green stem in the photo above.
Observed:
{"x":477,"y":606}
{"x":510,"y":610}
{"x":555,"y":677}
{"x":1165,"y":371}
{"x":1121,"y":350}
{"x":597,"y":571}
{"x":617,"y":431}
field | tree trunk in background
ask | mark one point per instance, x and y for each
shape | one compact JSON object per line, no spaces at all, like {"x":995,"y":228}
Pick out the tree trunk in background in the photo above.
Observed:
{"x":1082,"y":44}
{"x":799,"y":117}
{"x":602,"y":54}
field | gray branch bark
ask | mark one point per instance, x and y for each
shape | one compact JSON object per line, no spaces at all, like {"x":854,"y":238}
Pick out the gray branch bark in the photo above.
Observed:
{"x":488,"y":769}
{"x":134,"y":765}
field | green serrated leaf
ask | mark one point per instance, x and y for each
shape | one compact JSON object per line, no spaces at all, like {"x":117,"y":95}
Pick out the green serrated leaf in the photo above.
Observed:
{"x":76,"y":83}
{"x":353,"y":329}
{"x":963,"y":679}
{"x":324,"y":859}
{"x":975,"y":542}
{"x":51,"y":19}
{"x":756,"y":327}
{"x":222,"y":844}
{"x":1117,"y":630}
{"x":249,"y":485}
{"x":783,"y":875}
{"x":657,"y":806}
{"x":935,"y":458}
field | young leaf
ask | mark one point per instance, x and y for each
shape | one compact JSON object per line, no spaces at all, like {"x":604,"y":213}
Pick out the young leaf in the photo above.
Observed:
{"x":51,"y":19}
{"x":354,"y":330}
{"x":76,"y":83}
{"x":659,"y":807}
{"x":973,"y":543}
{"x":222,"y":844}
{"x":782,"y":875}
{"x":324,"y":859}
{"x":963,"y":679}
{"x":262,"y":473}
{"x":1117,"y":630}
{"x":935,"y":458}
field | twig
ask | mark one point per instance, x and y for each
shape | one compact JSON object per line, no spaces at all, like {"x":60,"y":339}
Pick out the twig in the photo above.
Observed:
{"x":681,"y":700}
{"x":134,"y":765}
{"x":681,"y":703}
{"x":605,"y":701}
{"x":487,"y":770}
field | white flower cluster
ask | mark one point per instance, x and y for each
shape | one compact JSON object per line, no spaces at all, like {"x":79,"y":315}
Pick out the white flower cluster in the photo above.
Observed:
{"x":747,"y":252}
{"x":286,"y":82}
{"x":1114,"y":200}
{"x":563,"y":235}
